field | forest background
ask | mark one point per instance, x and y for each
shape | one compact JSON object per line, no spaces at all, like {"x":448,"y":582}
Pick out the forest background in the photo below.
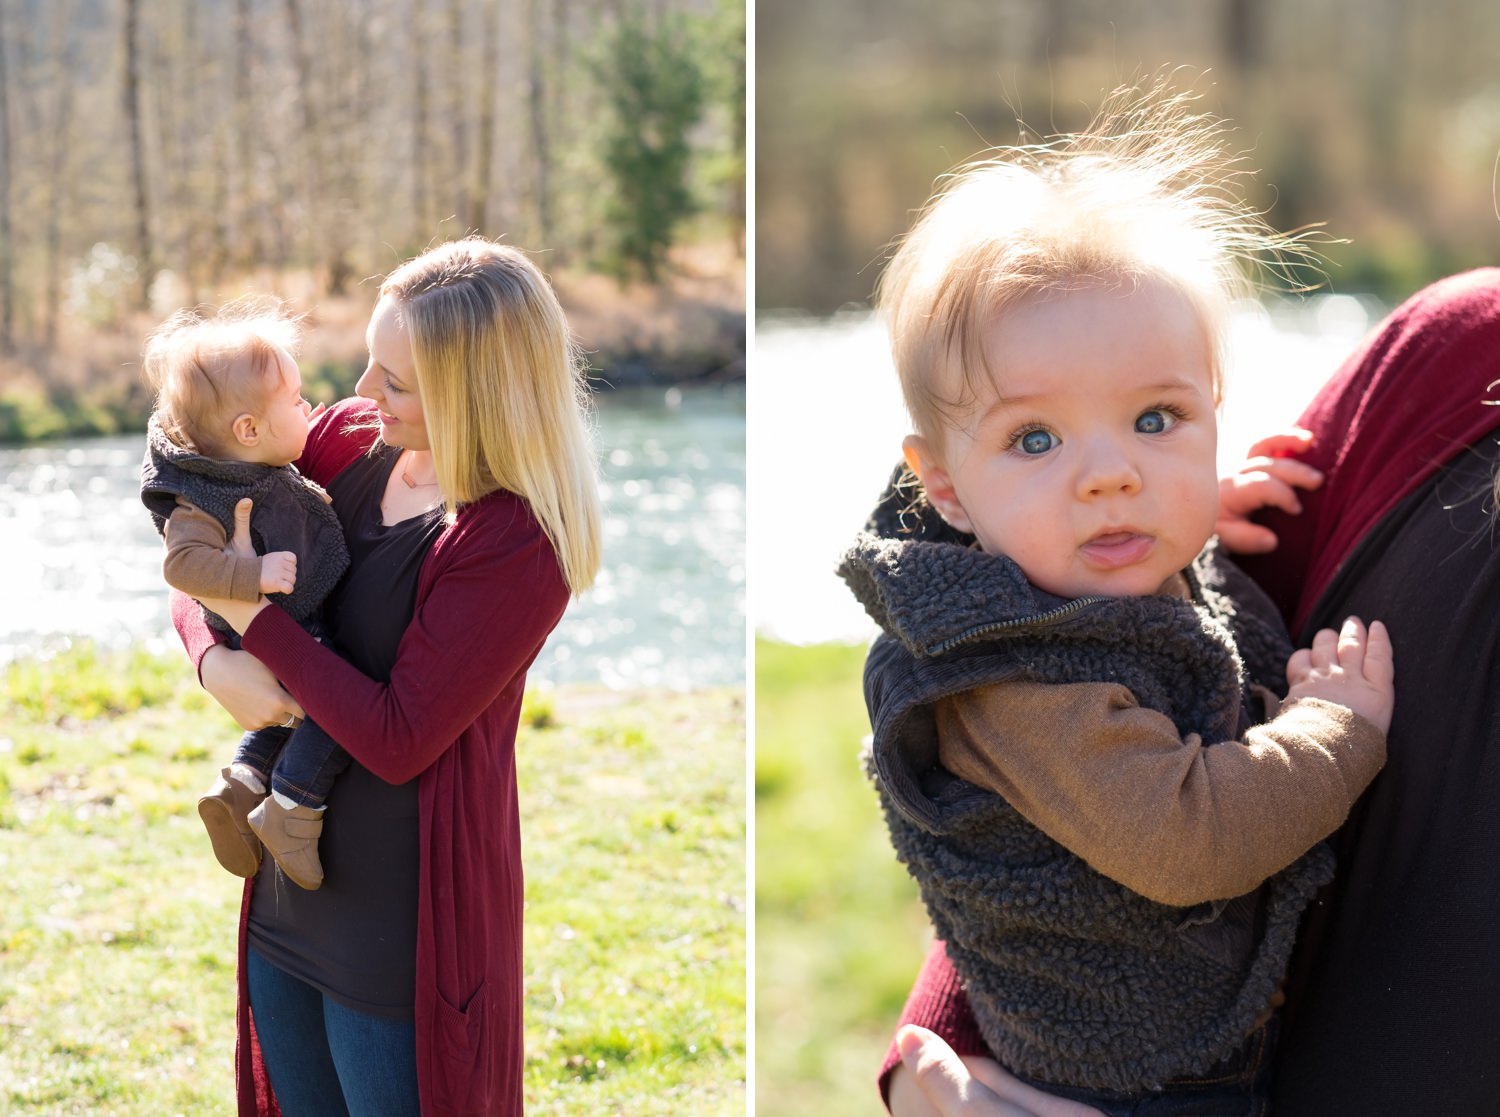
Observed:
{"x":1379,"y":117}
{"x":161,"y":153}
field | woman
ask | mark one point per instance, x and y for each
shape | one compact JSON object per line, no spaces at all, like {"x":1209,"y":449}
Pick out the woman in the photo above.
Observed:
{"x":465,"y":484}
{"x":1393,"y":999}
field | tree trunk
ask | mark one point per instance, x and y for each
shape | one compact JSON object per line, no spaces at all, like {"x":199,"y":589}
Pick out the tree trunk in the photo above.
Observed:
{"x":489,"y":88}
{"x":58,"y":177}
{"x":144,"y":256}
{"x":421,"y":206}
{"x":1245,"y":32}
{"x":458,"y":107}
{"x":536,"y":89}
{"x":7,"y":249}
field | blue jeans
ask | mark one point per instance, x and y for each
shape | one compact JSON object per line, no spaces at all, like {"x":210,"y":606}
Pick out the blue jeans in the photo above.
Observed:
{"x":325,"y":1060}
{"x":1238,"y":1086}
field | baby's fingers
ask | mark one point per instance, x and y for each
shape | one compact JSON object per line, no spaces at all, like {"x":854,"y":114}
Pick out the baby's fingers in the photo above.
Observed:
{"x":1299,"y":666}
{"x":1351,"y":645}
{"x":1325,"y":649}
{"x":1380,"y":657}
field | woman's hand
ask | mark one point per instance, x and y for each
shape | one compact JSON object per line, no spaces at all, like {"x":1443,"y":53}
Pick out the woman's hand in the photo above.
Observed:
{"x":1267,"y":479}
{"x":239,"y":614}
{"x":245,"y":687}
{"x":932,"y":1081}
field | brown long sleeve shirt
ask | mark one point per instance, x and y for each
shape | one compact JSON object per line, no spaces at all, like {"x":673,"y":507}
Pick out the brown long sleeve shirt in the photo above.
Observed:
{"x":1176,"y":821}
{"x":197,"y":562}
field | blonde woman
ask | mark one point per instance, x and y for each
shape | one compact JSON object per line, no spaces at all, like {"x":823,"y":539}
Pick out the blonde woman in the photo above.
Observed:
{"x":465,"y":482}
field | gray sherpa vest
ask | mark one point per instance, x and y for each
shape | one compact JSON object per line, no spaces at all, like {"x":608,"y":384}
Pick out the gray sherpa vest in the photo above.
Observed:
{"x":1072,"y":977}
{"x":291,"y":513}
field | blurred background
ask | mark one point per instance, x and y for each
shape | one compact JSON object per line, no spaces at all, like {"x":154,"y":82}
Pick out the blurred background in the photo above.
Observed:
{"x":1379,"y":118}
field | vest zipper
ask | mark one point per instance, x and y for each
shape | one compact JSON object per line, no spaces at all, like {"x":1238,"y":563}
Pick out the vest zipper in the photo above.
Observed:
{"x":1041,"y":620}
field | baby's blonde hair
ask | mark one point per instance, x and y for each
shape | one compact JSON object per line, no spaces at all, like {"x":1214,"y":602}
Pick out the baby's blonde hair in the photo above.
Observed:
{"x":1148,"y":192}
{"x":502,"y":390}
{"x":207,"y":368}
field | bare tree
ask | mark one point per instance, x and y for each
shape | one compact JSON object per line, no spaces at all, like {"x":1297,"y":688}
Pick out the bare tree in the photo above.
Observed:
{"x":58,"y":178}
{"x":7,"y":243}
{"x":540,"y":131}
{"x":489,"y":90}
{"x":421,"y":111}
{"x":144,"y":255}
{"x":1245,"y":32}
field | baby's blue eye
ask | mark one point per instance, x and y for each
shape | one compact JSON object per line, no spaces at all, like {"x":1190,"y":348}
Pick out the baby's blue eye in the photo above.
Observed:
{"x":1154,"y":421}
{"x":1036,"y":442}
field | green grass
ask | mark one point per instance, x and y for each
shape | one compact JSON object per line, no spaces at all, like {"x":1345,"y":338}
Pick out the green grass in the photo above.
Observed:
{"x":839,"y":933}
{"x":117,"y":926}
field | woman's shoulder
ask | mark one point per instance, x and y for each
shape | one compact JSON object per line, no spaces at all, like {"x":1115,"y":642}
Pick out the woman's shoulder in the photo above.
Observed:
{"x":500,"y":528}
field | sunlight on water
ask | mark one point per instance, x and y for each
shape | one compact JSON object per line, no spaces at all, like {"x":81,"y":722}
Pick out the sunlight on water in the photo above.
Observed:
{"x":827,"y":421}
{"x":79,"y":557}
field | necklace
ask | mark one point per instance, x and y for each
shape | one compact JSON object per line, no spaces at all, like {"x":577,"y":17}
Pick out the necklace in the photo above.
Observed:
{"x":410,"y":484}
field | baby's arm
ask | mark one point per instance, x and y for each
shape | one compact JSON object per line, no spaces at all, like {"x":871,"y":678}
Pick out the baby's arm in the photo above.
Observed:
{"x":198,"y":564}
{"x":1167,"y":817}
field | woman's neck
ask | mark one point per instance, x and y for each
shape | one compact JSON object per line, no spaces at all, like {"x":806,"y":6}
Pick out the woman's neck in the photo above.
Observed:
{"x":412,"y":489}
{"x":417,"y":469}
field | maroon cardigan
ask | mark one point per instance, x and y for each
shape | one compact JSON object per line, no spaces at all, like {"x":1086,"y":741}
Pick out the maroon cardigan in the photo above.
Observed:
{"x":1421,"y":388}
{"x":489,"y":592}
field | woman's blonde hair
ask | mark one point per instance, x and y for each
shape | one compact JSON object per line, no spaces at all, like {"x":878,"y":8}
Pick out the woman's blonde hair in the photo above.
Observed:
{"x":503,"y":390}
{"x":1147,"y":192}
{"x":207,"y":368}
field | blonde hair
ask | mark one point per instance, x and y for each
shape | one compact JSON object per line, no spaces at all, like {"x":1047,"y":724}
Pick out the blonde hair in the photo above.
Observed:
{"x":1147,"y":192}
{"x":503,"y":390}
{"x":205,"y":369}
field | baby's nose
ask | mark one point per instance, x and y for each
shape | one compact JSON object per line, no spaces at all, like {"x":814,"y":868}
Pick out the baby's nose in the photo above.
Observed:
{"x":1108,"y":472}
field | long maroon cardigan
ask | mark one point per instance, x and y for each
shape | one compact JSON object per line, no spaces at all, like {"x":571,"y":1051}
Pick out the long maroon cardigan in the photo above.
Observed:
{"x":1420,"y":389}
{"x":489,"y":592}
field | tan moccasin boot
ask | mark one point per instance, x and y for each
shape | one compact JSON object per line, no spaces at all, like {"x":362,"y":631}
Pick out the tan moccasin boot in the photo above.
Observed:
{"x":291,"y":836}
{"x":224,"y":810}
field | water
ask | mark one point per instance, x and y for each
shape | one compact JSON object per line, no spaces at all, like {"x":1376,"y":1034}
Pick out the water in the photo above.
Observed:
{"x":79,"y":557}
{"x":826,"y":425}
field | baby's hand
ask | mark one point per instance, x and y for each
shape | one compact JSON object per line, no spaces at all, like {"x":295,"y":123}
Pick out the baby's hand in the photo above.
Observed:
{"x":1351,"y":667}
{"x":1267,"y":479}
{"x":278,"y":572}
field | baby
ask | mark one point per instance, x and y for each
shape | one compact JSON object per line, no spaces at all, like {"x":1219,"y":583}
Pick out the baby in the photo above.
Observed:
{"x":1065,"y":694}
{"x":229,"y":421}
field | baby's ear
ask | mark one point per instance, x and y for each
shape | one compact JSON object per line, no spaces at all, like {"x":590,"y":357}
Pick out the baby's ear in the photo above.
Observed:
{"x":246,"y":429}
{"x":922,"y":459}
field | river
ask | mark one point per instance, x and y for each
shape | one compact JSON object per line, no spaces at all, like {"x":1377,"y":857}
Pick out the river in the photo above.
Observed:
{"x":80,"y":559}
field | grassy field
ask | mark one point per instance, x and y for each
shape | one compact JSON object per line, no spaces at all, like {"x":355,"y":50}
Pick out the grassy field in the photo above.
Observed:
{"x":117,"y":926}
{"x":839,"y":933}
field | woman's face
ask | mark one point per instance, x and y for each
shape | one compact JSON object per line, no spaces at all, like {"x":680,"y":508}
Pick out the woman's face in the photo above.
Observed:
{"x":390,"y":379}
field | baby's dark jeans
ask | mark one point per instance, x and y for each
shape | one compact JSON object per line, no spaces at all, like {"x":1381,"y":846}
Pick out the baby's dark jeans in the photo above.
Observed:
{"x":1237,"y":1086}
{"x":302,"y":763}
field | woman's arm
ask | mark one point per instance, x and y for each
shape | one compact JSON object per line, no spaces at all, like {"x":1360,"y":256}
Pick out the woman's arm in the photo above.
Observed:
{"x":494,"y":593}
{"x":936,"y":1002}
{"x":236,"y":680}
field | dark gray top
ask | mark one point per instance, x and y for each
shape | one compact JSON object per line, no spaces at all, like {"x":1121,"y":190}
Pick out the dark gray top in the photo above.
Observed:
{"x":355,"y":938}
{"x":1393,"y":992}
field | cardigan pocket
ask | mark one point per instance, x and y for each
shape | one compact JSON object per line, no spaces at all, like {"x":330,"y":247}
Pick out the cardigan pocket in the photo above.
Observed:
{"x":464,"y":1064}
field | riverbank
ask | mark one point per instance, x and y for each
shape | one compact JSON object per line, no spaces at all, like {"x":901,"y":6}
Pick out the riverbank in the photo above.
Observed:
{"x":116,"y":931}
{"x":687,"y":330}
